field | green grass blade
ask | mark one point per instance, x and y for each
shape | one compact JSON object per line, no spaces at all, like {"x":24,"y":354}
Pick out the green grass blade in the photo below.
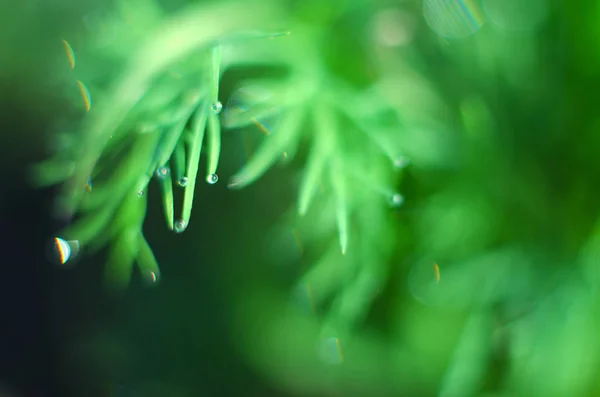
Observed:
{"x":193,"y":159}
{"x":286,"y":134}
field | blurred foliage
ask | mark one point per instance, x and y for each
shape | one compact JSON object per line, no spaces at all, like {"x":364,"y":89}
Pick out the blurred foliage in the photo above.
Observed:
{"x":479,"y":279}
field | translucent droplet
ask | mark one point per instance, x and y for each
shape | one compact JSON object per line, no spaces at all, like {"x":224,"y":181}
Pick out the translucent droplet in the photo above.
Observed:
{"x":152,"y":277}
{"x":180,"y":226}
{"x":396,"y":200}
{"x":70,"y":53}
{"x":183,"y":181}
{"x":140,"y":193}
{"x":212,"y":179}
{"x":216,"y":107}
{"x":162,"y":172}
{"x":330,"y":351}
{"x":63,"y":251}
{"x":85,"y":95}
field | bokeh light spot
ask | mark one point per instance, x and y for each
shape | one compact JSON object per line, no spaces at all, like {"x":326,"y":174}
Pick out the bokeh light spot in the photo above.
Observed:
{"x":453,"y":19}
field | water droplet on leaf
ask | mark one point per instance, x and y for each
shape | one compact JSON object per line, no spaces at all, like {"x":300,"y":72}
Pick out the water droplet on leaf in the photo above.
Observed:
{"x":180,"y":226}
{"x":212,"y":179}
{"x":70,"y":53}
{"x":85,"y":95}
{"x":162,"y":172}
{"x":152,"y":277}
{"x":63,"y":251}
{"x":216,"y":107}
{"x":183,"y":181}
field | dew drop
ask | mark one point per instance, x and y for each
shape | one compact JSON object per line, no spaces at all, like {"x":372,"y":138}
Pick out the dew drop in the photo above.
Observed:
{"x":216,"y":107}
{"x":85,"y":95}
{"x":180,"y":226}
{"x":162,"y":172}
{"x":212,"y":179}
{"x":153,"y":277}
{"x":63,"y":251}
{"x":396,"y":200}
{"x":140,"y":193}
{"x":70,"y":53}
{"x":183,"y":181}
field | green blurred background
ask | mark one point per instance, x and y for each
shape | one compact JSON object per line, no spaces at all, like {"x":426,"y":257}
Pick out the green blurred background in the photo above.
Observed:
{"x":501,"y":193}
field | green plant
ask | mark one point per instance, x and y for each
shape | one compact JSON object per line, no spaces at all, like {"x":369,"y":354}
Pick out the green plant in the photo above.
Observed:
{"x":150,"y":123}
{"x":483,"y":282}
